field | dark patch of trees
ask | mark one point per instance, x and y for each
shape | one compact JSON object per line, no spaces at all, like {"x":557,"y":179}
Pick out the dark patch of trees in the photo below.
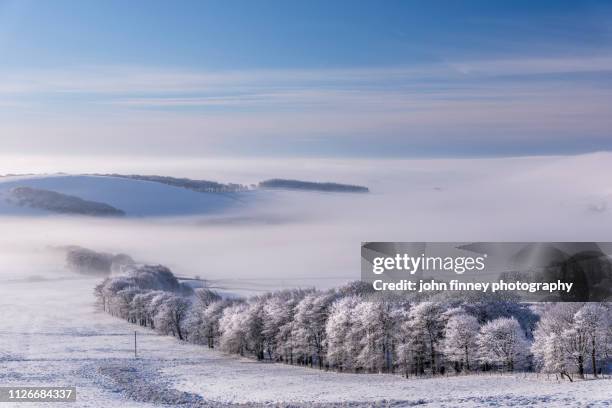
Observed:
{"x":312,"y":186}
{"x":86,"y":261}
{"x":60,"y":203}
{"x":201,"y":186}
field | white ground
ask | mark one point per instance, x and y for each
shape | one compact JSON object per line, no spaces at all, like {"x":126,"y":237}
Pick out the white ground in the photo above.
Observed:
{"x":241,"y":381}
{"x":51,"y":335}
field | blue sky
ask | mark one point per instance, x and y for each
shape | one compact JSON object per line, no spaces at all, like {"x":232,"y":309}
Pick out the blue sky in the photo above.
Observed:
{"x":309,"y":78}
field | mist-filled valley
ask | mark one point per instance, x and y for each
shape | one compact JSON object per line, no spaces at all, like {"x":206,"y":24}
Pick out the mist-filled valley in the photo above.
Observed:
{"x":312,"y":238}
{"x":254,"y":241}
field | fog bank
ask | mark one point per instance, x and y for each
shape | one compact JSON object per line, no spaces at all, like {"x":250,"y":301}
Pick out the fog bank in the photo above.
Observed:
{"x":305,"y":238}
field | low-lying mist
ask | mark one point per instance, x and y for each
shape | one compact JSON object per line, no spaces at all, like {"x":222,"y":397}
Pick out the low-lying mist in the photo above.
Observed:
{"x":292,"y":239}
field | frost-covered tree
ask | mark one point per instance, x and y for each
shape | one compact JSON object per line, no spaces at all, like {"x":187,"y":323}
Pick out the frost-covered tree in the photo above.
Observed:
{"x":108,"y":289}
{"x":232,"y":328}
{"x":608,"y":335}
{"x":593,"y":319}
{"x":205,"y":297}
{"x":155,"y":304}
{"x":375,"y":320}
{"x":140,"y":306}
{"x":412,"y":346}
{"x":574,"y":344}
{"x":279,"y":310}
{"x":286,"y":339}
{"x":241,"y":329}
{"x":584,"y":336}
{"x":254,"y":327}
{"x":342,"y":346}
{"x":502,"y":342}
{"x":170,"y":315}
{"x":353,"y":329}
{"x":275,"y":314}
{"x":548,"y":345}
{"x":425,"y":319}
{"x":460,"y":345}
{"x":491,"y":308}
{"x":211,"y":316}
{"x":120,"y":302}
{"x":570,"y":337}
{"x":193,"y":326}
{"x":309,"y":327}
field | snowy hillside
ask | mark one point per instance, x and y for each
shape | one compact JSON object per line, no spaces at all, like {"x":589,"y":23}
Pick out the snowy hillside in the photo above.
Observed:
{"x":55,"y":202}
{"x":134,"y":197}
{"x":56,"y":336}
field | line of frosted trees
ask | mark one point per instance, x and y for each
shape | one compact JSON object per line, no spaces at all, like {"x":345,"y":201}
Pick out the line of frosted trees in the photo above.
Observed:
{"x":353,"y":330}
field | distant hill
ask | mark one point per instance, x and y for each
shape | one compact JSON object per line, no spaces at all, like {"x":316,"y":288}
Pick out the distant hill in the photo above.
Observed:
{"x":59,"y":203}
{"x":312,"y":186}
{"x":137,"y":198}
{"x":150,"y":196}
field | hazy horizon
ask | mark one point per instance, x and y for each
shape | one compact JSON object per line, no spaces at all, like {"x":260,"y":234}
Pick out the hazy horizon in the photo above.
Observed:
{"x":315,"y":237}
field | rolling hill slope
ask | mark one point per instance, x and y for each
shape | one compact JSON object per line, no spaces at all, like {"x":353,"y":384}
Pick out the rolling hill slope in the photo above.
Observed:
{"x":137,"y":198}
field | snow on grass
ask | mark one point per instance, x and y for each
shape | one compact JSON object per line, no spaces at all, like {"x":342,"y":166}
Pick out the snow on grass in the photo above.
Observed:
{"x":52,"y":335}
{"x":235,"y":380}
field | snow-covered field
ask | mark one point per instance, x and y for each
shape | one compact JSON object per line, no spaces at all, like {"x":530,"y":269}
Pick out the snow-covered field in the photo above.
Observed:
{"x":240,"y":381}
{"x":52,"y":335}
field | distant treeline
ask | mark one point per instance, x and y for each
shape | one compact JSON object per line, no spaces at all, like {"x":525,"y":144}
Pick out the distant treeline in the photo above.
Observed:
{"x":207,"y":186}
{"x":312,"y":186}
{"x":351,"y":329}
{"x":202,"y":186}
{"x":17,"y":174}
{"x":88,"y":262}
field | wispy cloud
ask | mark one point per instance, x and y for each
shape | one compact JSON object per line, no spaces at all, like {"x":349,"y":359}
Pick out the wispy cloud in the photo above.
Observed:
{"x":147,"y":80}
{"x":535,"y":66}
{"x":493,"y":102}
